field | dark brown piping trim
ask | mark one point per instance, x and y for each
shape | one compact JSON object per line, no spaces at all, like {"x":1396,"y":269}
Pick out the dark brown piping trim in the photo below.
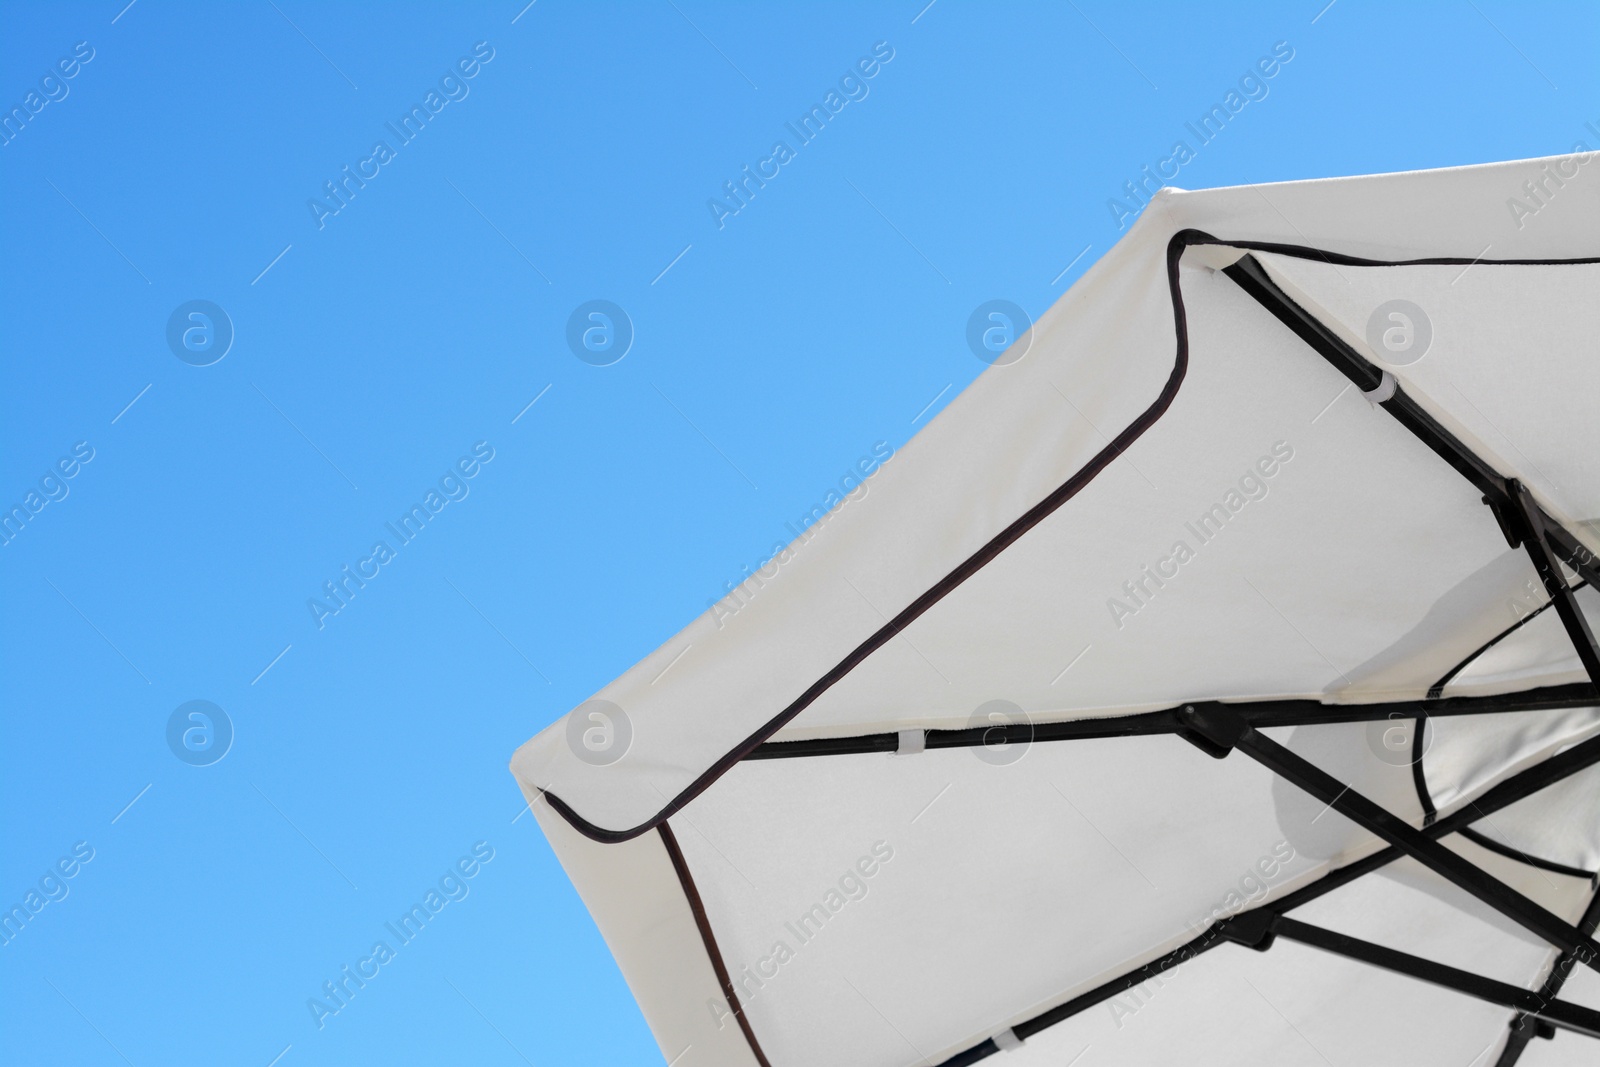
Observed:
{"x":1035,"y":515}
{"x":968,"y":567}
{"x":1332,"y":258}
{"x":1511,"y":852}
{"x":686,"y":880}
{"x":1436,"y":691}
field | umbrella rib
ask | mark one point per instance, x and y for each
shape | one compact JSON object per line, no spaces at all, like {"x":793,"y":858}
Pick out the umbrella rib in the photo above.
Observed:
{"x":1507,"y":499}
{"x":1437,"y":689}
{"x":1533,"y":527}
{"x":1516,"y":512}
{"x":1522,"y":521}
{"x":1228,"y":730}
{"x":1521,"y":1032}
{"x":1260,"y":713}
{"x":1519,"y":786}
{"x":1258,"y":930}
{"x":1559,"y":1013}
{"x":1064,"y":492}
{"x":1249,"y":275}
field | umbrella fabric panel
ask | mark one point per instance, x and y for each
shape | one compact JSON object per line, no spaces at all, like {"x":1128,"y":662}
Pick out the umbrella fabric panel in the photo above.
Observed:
{"x":1018,"y":879}
{"x":1407,"y":907}
{"x":1538,"y":652}
{"x":1351,"y":753}
{"x":969,"y":923}
{"x":1562,"y":1052}
{"x":639,"y":904}
{"x":932,"y":505}
{"x":1144,"y":837}
{"x":939,"y":497}
{"x":1560,"y":824}
{"x":1502,"y":354}
{"x":1296,"y":1004}
{"x":1377,"y":575}
{"x":1583,"y":987}
{"x":1185,"y":572}
{"x":1449,"y":212}
{"x":1292,"y":1006}
{"x":1469,"y":753}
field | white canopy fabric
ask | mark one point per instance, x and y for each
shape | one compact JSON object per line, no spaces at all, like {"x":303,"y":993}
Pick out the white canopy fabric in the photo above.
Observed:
{"x":1303,"y":475}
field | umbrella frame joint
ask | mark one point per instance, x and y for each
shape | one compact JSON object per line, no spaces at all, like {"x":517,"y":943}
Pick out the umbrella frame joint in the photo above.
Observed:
{"x":1534,"y":531}
{"x":1221,"y":725}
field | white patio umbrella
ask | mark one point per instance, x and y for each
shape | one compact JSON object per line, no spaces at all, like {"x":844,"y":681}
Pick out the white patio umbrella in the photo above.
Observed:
{"x":1246,"y":602}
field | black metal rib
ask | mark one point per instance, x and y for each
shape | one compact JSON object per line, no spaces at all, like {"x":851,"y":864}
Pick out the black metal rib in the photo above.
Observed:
{"x":1534,"y":527}
{"x":942,"y":588}
{"x":1250,"y":276}
{"x":1436,"y":690}
{"x":1248,"y":273}
{"x":1523,"y":1028}
{"x":1558,"y":1013}
{"x":1224,"y":728}
{"x":1518,"y":787}
{"x":1154,"y":969}
{"x":1574,"y":553}
{"x":1259,"y":713}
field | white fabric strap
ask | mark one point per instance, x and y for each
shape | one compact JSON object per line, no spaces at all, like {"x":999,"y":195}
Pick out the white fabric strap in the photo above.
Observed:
{"x":1383,"y":391}
{"x":1006,"y":1040}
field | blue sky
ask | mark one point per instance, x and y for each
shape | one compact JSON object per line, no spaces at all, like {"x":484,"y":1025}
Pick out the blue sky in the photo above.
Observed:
{"x":376,"y":347}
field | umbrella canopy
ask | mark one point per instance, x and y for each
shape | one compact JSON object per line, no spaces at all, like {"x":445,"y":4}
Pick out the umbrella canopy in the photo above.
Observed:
{"x":1246,"y":602}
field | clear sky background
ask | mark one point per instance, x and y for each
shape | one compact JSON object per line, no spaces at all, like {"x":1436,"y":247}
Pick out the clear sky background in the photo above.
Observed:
{"x":371,"y":352}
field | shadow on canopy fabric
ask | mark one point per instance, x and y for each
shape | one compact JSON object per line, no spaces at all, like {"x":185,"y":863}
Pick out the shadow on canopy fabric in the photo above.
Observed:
{"x":1299,"y":477}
